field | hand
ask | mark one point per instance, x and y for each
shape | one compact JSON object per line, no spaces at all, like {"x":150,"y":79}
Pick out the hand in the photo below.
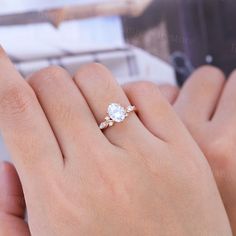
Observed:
{"x":206,"y":104}
{"x":139,"y":177}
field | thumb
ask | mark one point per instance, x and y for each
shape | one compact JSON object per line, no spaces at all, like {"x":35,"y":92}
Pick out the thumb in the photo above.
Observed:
{"x":12,"y":204}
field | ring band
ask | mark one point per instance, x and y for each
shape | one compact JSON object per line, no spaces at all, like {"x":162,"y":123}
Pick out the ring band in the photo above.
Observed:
{"x":116,"y":114}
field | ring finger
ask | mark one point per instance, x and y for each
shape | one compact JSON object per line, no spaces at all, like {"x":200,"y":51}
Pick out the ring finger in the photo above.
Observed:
{"x":100,"y":89}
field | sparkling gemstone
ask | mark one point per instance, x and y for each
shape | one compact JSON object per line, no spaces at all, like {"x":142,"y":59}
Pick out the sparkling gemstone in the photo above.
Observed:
{"x":103,"y":125}
{"x":116,"y":112}
{"x":130,"y":108}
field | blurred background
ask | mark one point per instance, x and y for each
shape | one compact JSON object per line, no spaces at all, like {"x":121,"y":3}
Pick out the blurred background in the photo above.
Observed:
{"x":160,"y":40}
{"x":188,"y":33}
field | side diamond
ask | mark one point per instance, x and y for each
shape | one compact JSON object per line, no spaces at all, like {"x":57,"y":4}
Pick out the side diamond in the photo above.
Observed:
{"x":103,"y":125}
{"x":130,"y":108}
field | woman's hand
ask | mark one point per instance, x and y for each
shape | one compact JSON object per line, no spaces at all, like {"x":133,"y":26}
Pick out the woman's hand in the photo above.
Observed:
{"x":144,"y":176}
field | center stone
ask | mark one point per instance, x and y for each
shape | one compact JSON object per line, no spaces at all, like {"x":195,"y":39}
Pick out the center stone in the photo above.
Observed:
{"x":116,"y":112}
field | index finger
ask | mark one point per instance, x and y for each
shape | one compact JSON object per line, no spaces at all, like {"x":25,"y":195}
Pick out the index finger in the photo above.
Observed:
{"x":23,"y":124}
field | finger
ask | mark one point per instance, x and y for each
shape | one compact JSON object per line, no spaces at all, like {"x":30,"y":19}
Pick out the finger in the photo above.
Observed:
{"x":12,"y":204}
{"x":100,"y":89}
{"x":67,"y":111}
{"x":154,"y":111}
{"x":198,"y":98}
{"x":23,"y":124}
{"x":11,"y":193}
{"x":170,"y":92}
{"x":226,"y":109}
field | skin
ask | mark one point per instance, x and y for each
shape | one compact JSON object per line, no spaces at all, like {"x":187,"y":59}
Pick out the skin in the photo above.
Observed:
{"x":12,"y":204}
{"x":139,"y":177}
{"x":206,"y":105}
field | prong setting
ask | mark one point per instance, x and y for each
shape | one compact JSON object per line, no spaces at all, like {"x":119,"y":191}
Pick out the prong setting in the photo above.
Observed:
{"x":116,"y":114}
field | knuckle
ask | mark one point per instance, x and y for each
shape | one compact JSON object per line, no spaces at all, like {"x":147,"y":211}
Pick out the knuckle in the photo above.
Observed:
{"x":92,"y":68}
{"x":47,"y":76}
{"x":212,"y":70}
{"x":145,"y":88}
{"x":96,"y":73}
{"x":15,"y":99}
{"x":217,"y":146}
{"x":98,"y":67}
{"x":220,"y":152}
{"x":52,"y":71}
{"x":168,"y":89}
{"x":93,"y":71}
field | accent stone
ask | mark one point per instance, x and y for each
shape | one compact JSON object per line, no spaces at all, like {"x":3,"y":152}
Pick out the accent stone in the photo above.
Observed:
{"x":103,"y":125}
{"x":130,"y":108}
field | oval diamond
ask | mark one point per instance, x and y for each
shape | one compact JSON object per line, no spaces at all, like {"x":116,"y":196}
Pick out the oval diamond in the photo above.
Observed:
{"x":116,"y":112}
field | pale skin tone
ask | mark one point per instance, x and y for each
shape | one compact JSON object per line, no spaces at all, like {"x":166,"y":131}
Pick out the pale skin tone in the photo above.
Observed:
{"x":206,"y":105}
{"x":139,"y":177}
